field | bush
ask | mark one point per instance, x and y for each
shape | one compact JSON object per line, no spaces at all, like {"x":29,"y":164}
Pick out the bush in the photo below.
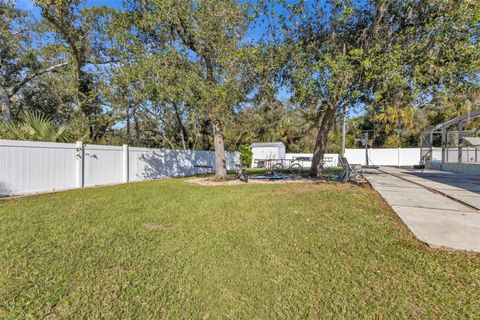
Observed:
{"x":392,"y":141}
{"x":246,"y":155}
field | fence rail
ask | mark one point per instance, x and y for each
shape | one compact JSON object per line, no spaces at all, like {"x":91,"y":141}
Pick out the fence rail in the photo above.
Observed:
{"x":33,"y":167}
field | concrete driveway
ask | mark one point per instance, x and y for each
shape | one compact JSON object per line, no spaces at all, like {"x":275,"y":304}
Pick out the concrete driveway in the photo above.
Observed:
{"x":441,"y":209}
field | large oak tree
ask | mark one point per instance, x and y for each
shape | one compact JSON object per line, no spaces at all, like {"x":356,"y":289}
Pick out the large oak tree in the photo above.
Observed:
{"x":378,"y":53}
{"x":209,"y":37}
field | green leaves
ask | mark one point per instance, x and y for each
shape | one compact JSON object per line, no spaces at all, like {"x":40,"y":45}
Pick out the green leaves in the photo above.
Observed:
{"x":34,"y":126}
{"x":396,"y":118}
{"x":177,"y":65}
{"x":246,"y":155}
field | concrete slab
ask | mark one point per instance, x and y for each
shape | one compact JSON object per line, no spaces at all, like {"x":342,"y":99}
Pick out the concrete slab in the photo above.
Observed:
{"x":432,"y":217}
{"x":420,"y":200}
{"x":443,"y":228}
{"x":463,"y":187}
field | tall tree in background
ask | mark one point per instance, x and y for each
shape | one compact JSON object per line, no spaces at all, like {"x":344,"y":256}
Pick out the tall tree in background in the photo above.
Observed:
{"x":213,"y":31}
{"x":208,"y":35}
{"x":20,"y":62}
{"x":79,"y":37}
{"x":428,"y":51}
{"x":323,"y":66}
{"x":155,"y":81}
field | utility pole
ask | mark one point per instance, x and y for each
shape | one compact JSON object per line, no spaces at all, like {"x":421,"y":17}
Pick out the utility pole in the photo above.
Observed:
{"x":345,"y":109}
{"x":366,"y":148}
{"x":344,"y":130}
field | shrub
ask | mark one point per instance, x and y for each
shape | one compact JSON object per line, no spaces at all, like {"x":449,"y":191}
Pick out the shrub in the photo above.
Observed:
{"x":246,"y":155}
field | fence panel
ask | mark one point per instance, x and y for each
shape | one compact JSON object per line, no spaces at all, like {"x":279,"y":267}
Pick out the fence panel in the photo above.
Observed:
{"x":409,"y":156}
{"x":385,"y":156}
{"x":145,"y":163}
{"x":103,"y":165}
{"x":231,"y":159}
{"x":30,"y":167}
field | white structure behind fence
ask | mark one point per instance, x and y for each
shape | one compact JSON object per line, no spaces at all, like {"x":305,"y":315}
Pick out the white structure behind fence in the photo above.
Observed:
{"x":266,"y":150}
{"x":31,"y":167}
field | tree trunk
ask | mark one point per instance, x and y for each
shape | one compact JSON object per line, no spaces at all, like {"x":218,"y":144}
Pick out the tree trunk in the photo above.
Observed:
{"x":5,"y":102}
{"x":322,"y":139}
{"x":137,"y":127}
{"x":220,"y":170}
{"x":129,"y":141}
{"x":183,"y":130}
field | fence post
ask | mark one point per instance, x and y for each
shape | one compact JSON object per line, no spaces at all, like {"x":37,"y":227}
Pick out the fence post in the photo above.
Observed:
{"x":80,"y":164}
{"x":125,"y":163}
{"x":399,"y":150}
{"x":460,"y":142}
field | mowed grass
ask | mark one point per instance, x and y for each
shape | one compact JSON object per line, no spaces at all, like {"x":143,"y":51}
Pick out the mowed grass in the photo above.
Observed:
{"x":171,"y":249}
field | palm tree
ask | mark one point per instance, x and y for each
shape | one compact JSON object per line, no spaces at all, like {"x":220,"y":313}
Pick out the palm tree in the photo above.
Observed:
{"x":396,"y":118}
{"x":33,"y":125}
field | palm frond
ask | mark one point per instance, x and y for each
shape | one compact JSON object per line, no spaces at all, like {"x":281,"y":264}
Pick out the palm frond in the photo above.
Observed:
{"x":33,"y":125}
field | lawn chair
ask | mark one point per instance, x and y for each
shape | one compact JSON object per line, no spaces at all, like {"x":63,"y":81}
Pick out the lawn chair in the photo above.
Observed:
{"x":351,"y":172}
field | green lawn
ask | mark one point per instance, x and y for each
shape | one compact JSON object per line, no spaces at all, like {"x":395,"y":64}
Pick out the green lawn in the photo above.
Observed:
{"x":171,"y":249}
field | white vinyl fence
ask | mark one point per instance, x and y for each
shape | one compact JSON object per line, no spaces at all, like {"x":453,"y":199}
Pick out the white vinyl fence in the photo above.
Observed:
{"x":32,"y":167}
{"x":380,"y":157}
{"x":384,"y":156}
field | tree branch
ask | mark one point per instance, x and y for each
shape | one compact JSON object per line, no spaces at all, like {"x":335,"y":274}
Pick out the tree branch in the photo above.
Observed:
{"x":102,"y":61}
{"x":35,"y":75}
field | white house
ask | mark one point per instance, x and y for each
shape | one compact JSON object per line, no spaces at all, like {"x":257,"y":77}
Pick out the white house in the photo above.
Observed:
{"x":267,"y":150}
